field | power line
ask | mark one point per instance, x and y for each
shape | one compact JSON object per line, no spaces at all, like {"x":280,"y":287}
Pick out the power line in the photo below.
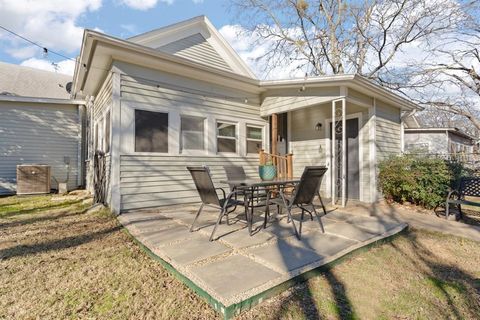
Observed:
{"x":45,"y":49}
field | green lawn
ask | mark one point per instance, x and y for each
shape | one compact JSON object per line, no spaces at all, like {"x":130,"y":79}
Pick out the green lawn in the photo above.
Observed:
{"x":58,"y":261}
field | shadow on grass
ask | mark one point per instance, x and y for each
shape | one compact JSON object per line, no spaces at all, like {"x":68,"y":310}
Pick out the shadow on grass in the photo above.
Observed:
{"x":449,"y":280}
{"x":18,"y":212}
{"x":59,"y":244}
{"x":57,"y":215}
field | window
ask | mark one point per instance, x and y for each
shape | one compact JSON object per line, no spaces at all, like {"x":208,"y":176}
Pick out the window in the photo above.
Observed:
{"x":254,"y":139}
{"x":151,"y":131}
{"x":107,"y":132}
{"x":192,"y":133}
{"x":226,"y":137}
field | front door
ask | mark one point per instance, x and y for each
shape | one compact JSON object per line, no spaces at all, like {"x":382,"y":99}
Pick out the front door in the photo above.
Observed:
{"x":353,"y":167}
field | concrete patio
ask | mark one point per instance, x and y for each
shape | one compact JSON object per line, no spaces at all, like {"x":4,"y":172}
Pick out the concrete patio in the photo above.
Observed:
{"x":238,"y":271}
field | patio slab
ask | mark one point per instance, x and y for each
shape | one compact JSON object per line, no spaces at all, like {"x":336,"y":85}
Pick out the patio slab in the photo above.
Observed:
{"x":237,"y":270}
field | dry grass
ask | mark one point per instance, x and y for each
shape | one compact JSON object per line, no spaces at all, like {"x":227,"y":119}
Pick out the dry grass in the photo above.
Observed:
{"x":64,"y":263}
{"x":67,"y":264}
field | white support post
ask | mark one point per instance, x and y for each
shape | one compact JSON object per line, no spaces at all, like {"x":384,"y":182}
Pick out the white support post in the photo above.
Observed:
{"x":373,"y":151}
{"x":344,"y":153}
{"x":115,"y":203}
{"x":333,"y":156}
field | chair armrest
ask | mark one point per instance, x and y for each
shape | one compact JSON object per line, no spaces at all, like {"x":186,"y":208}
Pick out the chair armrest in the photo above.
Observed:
{"x":453,"y":192}
{"x":223,"y":191}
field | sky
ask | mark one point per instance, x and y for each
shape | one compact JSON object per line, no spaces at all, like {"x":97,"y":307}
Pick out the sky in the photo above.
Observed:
{"x":58,"y":25}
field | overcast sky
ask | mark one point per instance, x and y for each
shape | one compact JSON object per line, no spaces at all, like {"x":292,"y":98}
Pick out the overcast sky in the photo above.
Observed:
{"x":58,"y":25}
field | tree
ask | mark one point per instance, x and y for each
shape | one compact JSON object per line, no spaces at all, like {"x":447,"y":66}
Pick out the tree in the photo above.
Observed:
{"x":369,"y":38}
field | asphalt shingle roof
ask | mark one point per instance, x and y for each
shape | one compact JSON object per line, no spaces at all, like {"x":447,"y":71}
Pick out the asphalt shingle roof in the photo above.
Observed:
{"x":16,"y":80}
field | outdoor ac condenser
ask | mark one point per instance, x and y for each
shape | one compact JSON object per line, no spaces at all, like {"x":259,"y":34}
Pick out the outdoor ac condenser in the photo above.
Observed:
{"x":33,"y":179}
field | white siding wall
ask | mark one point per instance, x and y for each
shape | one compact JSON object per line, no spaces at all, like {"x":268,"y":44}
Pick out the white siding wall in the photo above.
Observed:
{"x":388,"y":131}
{"x":101,"y":104}
{"x":196,"y":48}
{"x":155,"y":179}
{"x":38,"y":133}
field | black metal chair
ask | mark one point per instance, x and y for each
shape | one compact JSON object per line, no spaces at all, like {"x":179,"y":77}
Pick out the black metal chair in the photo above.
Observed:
{"x":209,"y":196}
{"x":252,"y":198}
{"x":303,"y":196}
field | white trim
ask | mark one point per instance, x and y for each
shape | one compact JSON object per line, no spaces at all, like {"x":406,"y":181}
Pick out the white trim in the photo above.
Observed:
{"x":236,"y":138}
{"x":402,"y":135}
{"x":193,"y":152}
{"x":372,"y":123}
{"x":115,"y":142}
{"x":247,"y":124}
{"x":328,"y":154}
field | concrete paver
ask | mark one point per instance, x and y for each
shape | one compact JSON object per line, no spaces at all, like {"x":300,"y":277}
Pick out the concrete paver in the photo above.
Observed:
{"x":196,"y":249}
{"x":234,"y":275}
{"x":284,"y":256}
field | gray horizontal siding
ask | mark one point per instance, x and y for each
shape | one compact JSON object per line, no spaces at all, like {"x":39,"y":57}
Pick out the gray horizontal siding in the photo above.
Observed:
{"x":103,"y":98}
{"x":140,"y":90}
{"x":196,"y":48}
{"x":43,"y":134}
{"x":152,"y":181}
{"x":388,"y":131}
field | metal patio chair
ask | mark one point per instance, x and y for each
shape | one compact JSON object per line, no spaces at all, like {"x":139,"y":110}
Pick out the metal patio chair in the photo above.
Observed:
{"x":303,"y":196}
{"x":252,"y":198}
{"x":209,"y":196}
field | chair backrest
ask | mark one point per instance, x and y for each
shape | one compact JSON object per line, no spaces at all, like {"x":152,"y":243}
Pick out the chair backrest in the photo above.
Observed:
{"x":234,"y":173}
{"x":309,"y":183}
{"x":470,"y":187}
{"x":204,"y":184}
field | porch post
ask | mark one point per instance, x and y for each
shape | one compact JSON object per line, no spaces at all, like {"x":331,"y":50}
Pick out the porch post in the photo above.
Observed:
{"x":274,"y":133}
{"x":344,"y":153}
{"x":333,"y":154}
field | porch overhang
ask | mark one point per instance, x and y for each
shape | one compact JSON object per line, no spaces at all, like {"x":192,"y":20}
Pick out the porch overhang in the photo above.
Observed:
{"x":305,"y":93}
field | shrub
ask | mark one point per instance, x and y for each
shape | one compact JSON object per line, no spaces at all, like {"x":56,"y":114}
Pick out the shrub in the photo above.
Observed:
{"x":419,"y":180}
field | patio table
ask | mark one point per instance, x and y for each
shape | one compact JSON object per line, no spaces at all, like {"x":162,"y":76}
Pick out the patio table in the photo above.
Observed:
{"x":251,"y":185}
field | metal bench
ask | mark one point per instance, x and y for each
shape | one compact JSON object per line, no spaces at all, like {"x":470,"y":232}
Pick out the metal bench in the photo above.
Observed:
{"x":469,"y":187}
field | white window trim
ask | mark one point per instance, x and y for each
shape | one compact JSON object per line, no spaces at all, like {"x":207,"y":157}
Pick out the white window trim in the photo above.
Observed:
{"x":169,"y":135}
{"x":190,"y":152}
{"x":237,"y":144}
{"x":262,"y":141}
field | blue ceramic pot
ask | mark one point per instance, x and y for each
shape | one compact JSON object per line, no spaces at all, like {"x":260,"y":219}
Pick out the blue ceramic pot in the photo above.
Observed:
{"x":267,"y":172}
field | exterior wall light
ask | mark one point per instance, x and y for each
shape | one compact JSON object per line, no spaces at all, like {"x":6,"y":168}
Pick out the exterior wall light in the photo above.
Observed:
{"x":318,"y":126}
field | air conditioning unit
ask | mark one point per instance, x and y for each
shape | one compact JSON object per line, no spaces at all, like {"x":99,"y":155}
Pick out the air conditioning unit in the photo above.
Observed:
{"x":33,"y":179}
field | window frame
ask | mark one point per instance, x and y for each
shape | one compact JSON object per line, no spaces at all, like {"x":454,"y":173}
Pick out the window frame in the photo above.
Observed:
{"x":261,"y":140}
{"x":164,"y":111}
{"x":217,"y":136}
{"x":205,"y":136}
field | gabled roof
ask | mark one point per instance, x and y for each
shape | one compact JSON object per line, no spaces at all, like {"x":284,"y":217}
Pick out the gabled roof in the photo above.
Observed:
{"x":19,"y":81}
{"x":198,"y":40}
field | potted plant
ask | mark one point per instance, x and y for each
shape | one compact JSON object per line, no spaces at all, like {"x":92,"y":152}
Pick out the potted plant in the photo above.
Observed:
{"x":267,"y":171}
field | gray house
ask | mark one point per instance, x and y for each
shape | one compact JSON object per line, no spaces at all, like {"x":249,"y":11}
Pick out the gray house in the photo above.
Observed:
{"x":39,"y":124}
{"x":442,"y":142}
{"x":180,"y":95}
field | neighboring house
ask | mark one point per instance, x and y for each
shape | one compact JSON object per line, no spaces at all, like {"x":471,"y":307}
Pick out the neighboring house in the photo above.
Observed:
{"x":180,"y":95}
{"x":442,"y":142}
{"x":39,"y":124}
